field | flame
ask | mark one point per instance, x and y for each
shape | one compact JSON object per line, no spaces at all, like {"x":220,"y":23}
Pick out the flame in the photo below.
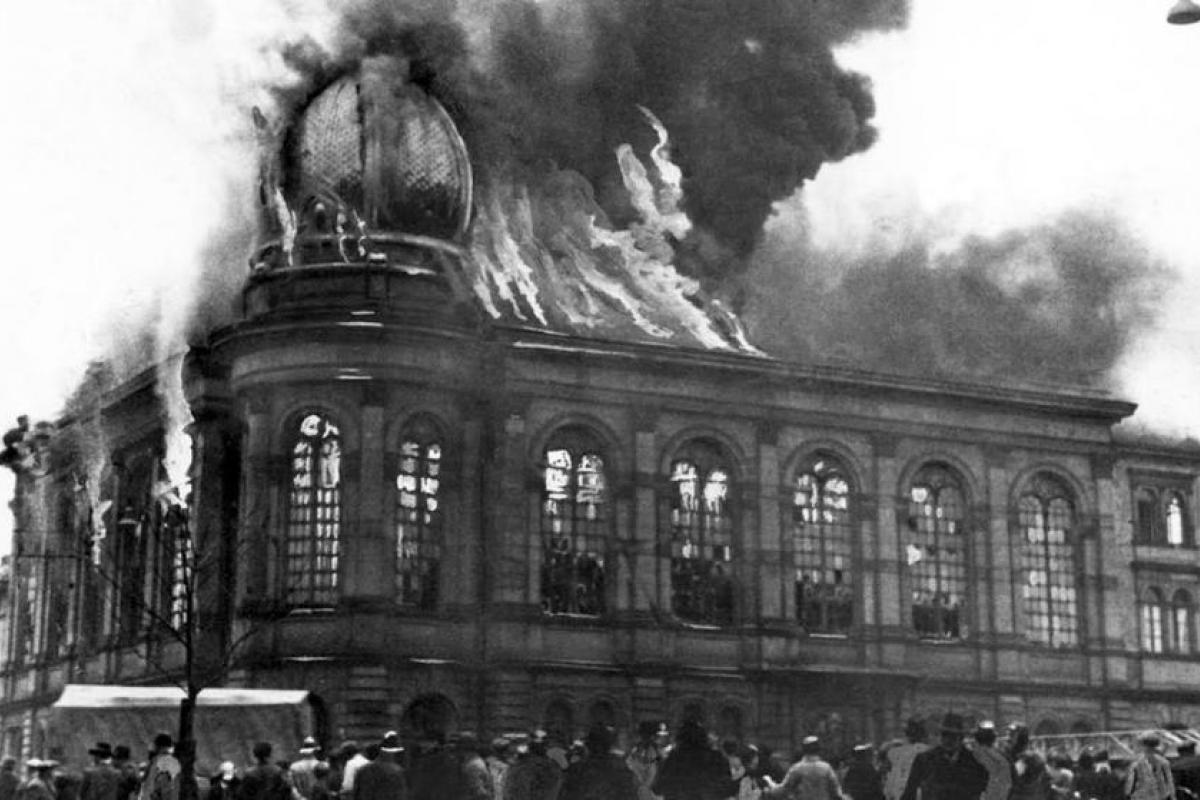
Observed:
{"x":544,"y":251}
{"x":177,"y":416}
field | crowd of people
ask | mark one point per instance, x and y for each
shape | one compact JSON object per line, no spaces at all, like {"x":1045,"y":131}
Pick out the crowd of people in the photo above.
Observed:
{"x":980,"y":764}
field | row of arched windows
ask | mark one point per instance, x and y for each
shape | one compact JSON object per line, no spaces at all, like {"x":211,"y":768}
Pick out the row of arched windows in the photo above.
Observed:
{"x":697,"y":532}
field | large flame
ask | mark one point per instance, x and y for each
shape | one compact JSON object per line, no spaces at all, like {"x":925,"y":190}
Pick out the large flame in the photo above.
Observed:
{"x":544,"y":252}
{"x":175,"y":487}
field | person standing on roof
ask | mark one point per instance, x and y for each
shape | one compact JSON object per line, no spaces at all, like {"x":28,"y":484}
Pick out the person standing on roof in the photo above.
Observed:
{"x":162,"y":774}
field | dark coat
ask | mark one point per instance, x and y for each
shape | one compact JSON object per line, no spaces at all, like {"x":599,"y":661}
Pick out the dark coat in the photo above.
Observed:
{"x":1097,"y":785}
{"x":382,"y":779}
{"x":264,"y":782}
{"x":862,"y":782}
{"x":100,"y":782}
{"x":9,"y":783}
{"x":603,"y":777}
{"x":533,"y":777}
{"x":942,"y":774}
{"x":694,"y":773}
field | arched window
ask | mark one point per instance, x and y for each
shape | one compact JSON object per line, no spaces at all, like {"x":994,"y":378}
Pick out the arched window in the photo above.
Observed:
{"x":821,"y":547}
{"x":314,"y":514}
{"x":701,"y":535}
{"x":1153,"y":606}
{"x":1051,"y":603}
{"x":1048,"y":556}
{"x":1147,"y":515}
{"x":1181,"y":622}
{"x":418,"y":516}
{"x":936,"y":554}
{"x":575,"y":522}
{"x":1175,"y":520}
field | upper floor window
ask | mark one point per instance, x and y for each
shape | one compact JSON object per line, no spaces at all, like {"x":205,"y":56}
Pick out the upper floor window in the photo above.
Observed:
{"x":1048,"y":557}
{"x":936,"y":553}
{"x":1153,"y":608}
{"x":1161,"y":517}
{"x":418,"y":516}
{"x":314,"y":513}
{"x":1181,"y":622}
{"x":575,"y":524}
{"x":701,"y":533}
{"x":821,"y":547}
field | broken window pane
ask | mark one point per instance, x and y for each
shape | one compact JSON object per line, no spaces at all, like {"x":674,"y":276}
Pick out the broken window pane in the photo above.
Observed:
{"x":821,"y":548}
{"x":312,"y":545}
{"x":575,"y":523}
{"x":937,"y":554}
{"x":1049,"y":592}
{"x":418,"y":517}
{"x":701,"y":536}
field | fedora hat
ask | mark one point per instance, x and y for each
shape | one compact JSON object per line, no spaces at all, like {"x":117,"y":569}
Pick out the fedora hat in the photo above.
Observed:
{"x":953,"y":723}
{"x":101,"y":750}
{"x":391,"y":743}
{"x":308,"y":746}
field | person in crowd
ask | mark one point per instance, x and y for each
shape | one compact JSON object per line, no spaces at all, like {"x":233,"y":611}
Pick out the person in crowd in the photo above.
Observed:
{"x":337,"y":764}
{"x":300,"y":773}
{"x":900,"y":758}
{"x":999,"y":768}
{"x":1149,"y":776}
{"x":476,"y":780}
{"x":862,"y":781}
{"x":576,"y":752}
{"x":39,"y":785}
{"x":498,"y":761}
{"x":693,"y":770}
{"x":732,"y":753}
{"x":320,"y":787}
{"x":1062,"y":777}
{"x":224,"y":785}
{"x":355,"y":760}
{"x":1094,"y":778}
{"x":643,"y":759}
{"x":1031,"y":777}
{"x":9,"y":782}
{"x":1185,"y":769}
{"x":383,"y":778}
{"x":599,"y":775}
{"x":435,"y":770}
{"x":265,"y":780}
{"x":161,"y":781}
{"x":947,"y":771}
{"x":66,"y":781}
{"x":534,"y":776}
{"x":753,"y":782}
{"x":131,"y":780}
{"x":810,"y":778}
{"x":101,"y":781}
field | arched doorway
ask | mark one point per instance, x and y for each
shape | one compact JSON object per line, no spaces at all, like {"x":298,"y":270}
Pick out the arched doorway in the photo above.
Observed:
{"x":429,"y":717}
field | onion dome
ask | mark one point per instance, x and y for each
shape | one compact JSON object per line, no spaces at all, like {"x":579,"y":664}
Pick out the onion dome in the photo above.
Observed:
{"x":372,"y":153}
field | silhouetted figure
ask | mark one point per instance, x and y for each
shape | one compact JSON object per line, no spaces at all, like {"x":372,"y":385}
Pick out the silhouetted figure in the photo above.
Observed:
{"x":600,"y":775}
{"x":693,"y":770}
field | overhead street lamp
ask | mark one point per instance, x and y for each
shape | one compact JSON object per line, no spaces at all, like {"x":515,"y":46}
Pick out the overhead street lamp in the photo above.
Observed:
{"x":1184,"y":12}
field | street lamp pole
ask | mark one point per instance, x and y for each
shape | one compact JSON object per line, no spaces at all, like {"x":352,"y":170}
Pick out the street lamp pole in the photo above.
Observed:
{"x":1184,"y":12}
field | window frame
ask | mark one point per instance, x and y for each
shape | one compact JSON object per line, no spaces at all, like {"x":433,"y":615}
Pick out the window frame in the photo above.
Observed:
{"x":1153,"y":621}
{"x":1046,"y":489}
{"x":1153,"y":493}
{"x":951,"y":625}
{"x":579,"y":441}
{"x":1182,"y":602}
{"x":304,"y":534}
{"x":708,"y":456}
{"x":823,"y":468}
{"x":427,"y":434}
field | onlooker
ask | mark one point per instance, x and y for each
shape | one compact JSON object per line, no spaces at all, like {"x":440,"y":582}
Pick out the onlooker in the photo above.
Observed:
{"x":131,"y":780}
{"x":693,"y":769}
{"x":900,"y":758}
{"x":383,"y":778}
{"x":600,"y":775}
{"x":1031,"y":777}
{"x":354,"y":760}
{"x":320,"y":787}
{"x":476,"y":779}
{"x":534,"y":776}
{"x":224,"y":785}
{"x":101,"y":781}
{"x":1149,"y":776}
{"x":644,"y":758}
{"x":810,"y":778}
{"x":300,"y":773}
{"x":862,"y":781}
{"x":498,"y":763}
{"x":1185,"y":769}
{"x":947,"y":771}
{"x":999,"y":769}
{"x":40,"y":783}
{"x":162,"y":774}
{"x":1095,"y":779}
{"x":9,"y":782}
{"x":265,"y":780}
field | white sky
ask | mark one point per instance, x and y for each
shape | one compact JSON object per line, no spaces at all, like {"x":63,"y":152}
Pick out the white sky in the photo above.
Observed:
{"x":124,"y":121}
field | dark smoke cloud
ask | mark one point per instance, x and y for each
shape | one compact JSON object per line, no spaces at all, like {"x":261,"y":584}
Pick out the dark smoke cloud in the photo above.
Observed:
{"x":1057,"y":302}
{"x":749,"y":89}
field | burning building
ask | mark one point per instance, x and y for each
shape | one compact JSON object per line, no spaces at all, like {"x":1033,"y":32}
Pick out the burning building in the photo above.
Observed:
{"x":472,"y":456}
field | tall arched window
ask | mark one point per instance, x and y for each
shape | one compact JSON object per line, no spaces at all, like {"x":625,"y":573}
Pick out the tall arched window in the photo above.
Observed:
{"x":936,"y":553}
{"x":132,"y":542}
{"x":701,"y":535}
{"x":1047,"y":552}
{"x":575,"y":522}
{"x":1175,"y":520}
{"x":1153,"y":606}
{"x":312,"y":546}
{"x":1147,"y":515}
{"x":1181,"y":622}
{"x":418,"y":516}
{"x":821,"y":547}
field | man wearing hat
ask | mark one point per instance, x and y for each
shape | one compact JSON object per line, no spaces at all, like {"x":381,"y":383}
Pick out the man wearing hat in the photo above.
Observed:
{"x":1095,"y":780}
{"x":600,"y":774}
{"x":101,"y":781}
{"x":162,"y":776}
{"x":861,"y":781}
{"x":535,"y":776}
{"x":383,"y":778}
{"x":1185,"y":769}
{"x":999,"y":768}
{"x":300,"y":773}
{"x":643,"y":759}
{"x":1149,"y":776}
{"x":948,"y":771}
{"x":810,"y":778}
{"x":265,"y":780}
{"x":497,"y":763}
{"x":9,"y":782}
{"x":39,"y":784}
{"x":131,"y":781}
